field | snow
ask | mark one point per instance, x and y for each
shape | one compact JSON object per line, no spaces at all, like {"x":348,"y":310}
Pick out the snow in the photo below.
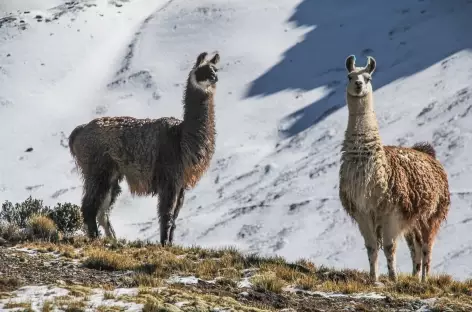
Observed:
{"x":336,"y":295}
{"x":272,"y":185}
{"x":38,"y":295}
{"x":245,"y":283}
{"x":186,"y":280}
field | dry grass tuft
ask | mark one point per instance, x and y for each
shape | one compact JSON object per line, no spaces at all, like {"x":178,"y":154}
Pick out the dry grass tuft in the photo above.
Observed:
{"x":9,"y":283}
{"x":108,"y":295}
{"x":70,"y":304}
{"x":109,"y":261}
{"x":268,"y":282}
{"x":78,"y":291}
{"x":14,"y":305}
{"x":154,"y":306}
{"x":42,"y":227}
{"x":48,"y":306}
{"x":104,"y":308}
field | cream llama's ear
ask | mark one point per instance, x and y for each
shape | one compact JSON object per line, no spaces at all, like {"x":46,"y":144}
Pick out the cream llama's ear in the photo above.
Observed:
{"x":350,"y":63}
{"x":201,"y":57}
{"x":371,"y":64}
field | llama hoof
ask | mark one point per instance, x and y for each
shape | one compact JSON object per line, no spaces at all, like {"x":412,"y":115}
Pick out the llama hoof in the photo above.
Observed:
{"x":379,"y":284}
{"x":166,"y":244}
{"x":392,"y":277}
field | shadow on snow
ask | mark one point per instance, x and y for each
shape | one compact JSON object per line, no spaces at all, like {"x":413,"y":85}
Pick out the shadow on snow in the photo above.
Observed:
{"x":405,"y":37}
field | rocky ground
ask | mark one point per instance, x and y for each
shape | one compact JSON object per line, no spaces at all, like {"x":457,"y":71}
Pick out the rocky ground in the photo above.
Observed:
{"x":144,"y":277}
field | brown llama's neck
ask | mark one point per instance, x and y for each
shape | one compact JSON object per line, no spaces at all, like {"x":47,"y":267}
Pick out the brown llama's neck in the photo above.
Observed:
{"x":198,"y":126}
{"x":362,"y":137}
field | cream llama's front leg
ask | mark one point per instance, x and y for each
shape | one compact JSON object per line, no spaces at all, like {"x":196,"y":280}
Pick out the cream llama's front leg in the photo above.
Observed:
{"x":391,"y":229}
{"x":367,"y":230}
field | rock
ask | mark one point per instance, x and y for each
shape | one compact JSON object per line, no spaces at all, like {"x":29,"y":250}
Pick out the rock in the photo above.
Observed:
{"x":3,"y":241}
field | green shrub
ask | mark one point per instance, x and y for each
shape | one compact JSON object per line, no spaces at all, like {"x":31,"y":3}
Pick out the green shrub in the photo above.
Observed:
{"x":67,"y":217}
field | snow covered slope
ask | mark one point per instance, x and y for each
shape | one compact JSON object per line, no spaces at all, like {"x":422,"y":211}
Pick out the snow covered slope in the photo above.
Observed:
{"x":272,"y":186}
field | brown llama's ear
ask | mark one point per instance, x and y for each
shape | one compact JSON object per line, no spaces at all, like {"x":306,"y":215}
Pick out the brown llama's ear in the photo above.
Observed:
{"x":370,"y":67}
{"x":215,"y":59}
{"x":350,"y":63}
{"x":201,"y":57}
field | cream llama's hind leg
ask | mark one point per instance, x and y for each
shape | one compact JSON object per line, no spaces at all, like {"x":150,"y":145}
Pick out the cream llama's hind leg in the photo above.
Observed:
{"x":415,"y":253}
{"x":391,"y":229}
{"x":367,"y":230}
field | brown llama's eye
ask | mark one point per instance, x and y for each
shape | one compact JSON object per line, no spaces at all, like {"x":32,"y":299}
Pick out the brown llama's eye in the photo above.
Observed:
{"x":349,"y":77}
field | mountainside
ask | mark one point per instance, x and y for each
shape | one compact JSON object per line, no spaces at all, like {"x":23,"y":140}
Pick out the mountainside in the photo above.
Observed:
{"x":280,"y":110}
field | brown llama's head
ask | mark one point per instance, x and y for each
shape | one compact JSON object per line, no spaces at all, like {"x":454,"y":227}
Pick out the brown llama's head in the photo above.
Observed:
{"x":205,"y":70}
{"x":359,"y":84}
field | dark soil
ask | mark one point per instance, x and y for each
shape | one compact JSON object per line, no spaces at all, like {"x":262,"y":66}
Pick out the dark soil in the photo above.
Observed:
{"x":19,"y":268}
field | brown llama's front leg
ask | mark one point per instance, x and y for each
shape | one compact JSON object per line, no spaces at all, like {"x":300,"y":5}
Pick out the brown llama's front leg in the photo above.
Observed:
{"x":167,"y":203}
{"x":178,"y":206}
{"x":366,"y":228}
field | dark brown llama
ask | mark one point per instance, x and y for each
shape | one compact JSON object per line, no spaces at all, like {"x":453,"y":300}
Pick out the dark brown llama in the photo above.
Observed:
{"x":162,"y":157}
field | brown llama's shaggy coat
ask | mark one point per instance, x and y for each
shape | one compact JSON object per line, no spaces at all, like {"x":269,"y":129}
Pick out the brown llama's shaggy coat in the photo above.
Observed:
{"x":161,"y":157}
{"x":389,"y":190}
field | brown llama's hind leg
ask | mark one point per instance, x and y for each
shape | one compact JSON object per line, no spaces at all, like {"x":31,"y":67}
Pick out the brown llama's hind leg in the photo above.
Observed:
{"x":429,"y":230}
{"x":428,"y":234}
{"x":96,"y":188}
{"x":106,"y":206}
{"x":415,"y":252}
{"x":178,"y":206}
{"x":168,"y":197}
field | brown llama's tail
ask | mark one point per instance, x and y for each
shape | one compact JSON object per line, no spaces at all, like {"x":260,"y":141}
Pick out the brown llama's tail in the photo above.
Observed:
{"x":72,"y":137}
{"x":426,"y":148}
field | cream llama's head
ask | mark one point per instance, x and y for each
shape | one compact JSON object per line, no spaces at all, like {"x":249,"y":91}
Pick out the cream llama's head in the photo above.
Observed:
{"x":359,"y":84}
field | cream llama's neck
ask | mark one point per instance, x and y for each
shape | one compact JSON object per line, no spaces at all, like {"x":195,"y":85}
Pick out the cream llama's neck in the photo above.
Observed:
{"x":362,"y":137}
{"x":364,"y":168}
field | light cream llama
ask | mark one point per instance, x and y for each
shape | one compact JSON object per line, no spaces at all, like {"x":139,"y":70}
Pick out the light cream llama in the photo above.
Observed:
{"x":388,"y":190}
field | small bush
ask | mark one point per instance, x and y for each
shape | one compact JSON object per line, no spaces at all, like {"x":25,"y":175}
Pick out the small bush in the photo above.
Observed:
{"x":42,"y":227}
{"x":68,"y":218}
{"x":19,"y":214}
{"x":11,"y":232}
